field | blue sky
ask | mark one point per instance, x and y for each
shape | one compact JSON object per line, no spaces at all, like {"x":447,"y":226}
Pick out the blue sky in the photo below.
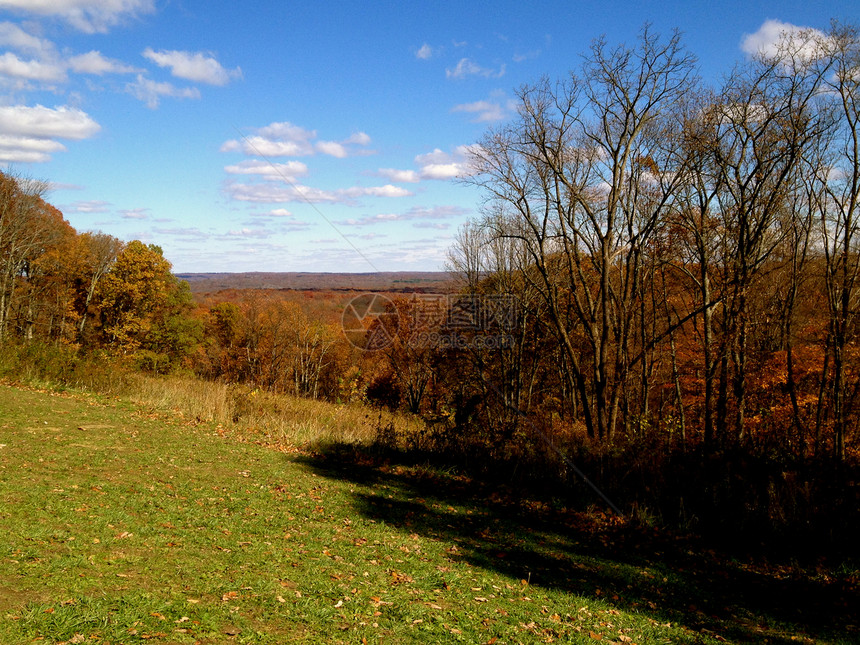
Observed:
{"x":286,"y":136}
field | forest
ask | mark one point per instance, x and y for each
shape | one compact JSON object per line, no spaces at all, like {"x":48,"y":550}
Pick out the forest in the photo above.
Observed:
{"x":668,"y":272}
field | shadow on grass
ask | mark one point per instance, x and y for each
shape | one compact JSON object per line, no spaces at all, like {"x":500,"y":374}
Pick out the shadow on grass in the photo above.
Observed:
{"x":667,"y":577}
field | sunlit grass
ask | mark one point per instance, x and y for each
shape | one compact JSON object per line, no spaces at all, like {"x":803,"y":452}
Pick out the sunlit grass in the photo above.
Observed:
{"x":124,"y":522}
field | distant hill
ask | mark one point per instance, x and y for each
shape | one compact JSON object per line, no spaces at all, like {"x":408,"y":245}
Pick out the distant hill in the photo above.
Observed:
{"x":394,"y":281}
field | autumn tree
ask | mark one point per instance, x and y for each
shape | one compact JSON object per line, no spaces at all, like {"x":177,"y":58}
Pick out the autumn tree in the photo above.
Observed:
{"x":96,"y":254}
{"x":28,"y":227}
{"x":413,"y":341}
{"x":144,"y":307}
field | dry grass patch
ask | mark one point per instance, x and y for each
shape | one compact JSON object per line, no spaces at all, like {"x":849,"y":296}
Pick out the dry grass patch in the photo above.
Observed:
{"x":276,"y":419}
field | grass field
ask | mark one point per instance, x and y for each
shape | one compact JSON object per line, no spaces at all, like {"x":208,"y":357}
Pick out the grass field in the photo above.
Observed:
{"x":126,"y":523}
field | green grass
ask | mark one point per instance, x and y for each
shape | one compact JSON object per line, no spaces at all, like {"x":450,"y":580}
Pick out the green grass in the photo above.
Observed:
{"x":122,"y":523}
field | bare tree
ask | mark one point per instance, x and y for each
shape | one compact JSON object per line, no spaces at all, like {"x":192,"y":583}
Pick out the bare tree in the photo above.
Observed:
{"x":838,"y":207}
{"x":577,"y":180}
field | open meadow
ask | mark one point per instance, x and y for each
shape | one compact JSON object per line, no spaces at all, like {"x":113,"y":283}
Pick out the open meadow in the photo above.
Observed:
{"x":125,"y":522}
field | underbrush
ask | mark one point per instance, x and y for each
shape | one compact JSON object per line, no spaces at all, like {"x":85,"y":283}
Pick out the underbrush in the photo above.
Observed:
{"x":60,"y":366}
{"x":751,"y":504}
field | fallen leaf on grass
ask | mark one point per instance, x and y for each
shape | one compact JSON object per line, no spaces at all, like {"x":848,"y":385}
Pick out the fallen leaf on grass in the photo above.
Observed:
{"x":397,"y":577}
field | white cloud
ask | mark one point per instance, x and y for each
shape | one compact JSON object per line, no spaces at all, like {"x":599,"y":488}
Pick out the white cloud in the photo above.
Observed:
{"x":32,"y":144}
{"x":286,"y":131}
{"x":766,"y":41}
{"x":434,"y":165}
{"x":94,"y":63}
{"x":150,"y":92}
{"x":193,"y":66}
{"x":24,"y":149}
{"x":39,"y":121}
{"x":418,"y":214}
{"x":332,"y":148}
{"x":22,"y":156}
{"x":256,"y":233}
{"x":418,"y":252}
{"x":486,"y":111}
{"x":284,"y":139}
{"x":279,"y":212}
{"x":442,"y":171}
{"x":436,"y":156}
{"x":34,"y":70}
{"x":403,"y":176}
{"x":135,"y":213}
{"x":294,"y":226}
{"x":11,"y":35}
{"x":269,"y":193}
{"x":93,"y":206}
{"x":442,"y":165}
{"x":272,"y":171}
{"x":279,"y":139}
{"x":89,"y":16}
{"x":358,"y":138}
{"x":519,"y":58}
{"x":425,"y":52}
{"x":267,"y":147}
{"x":379,"y":191}
{"x":467,"y":67}
{"x":189,"y":232}
{"x":57,"y":185}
